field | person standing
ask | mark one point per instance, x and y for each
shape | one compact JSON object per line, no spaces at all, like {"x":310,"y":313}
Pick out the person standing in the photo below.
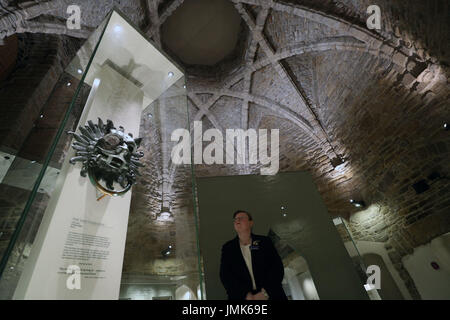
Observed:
{"x":250,"y":266}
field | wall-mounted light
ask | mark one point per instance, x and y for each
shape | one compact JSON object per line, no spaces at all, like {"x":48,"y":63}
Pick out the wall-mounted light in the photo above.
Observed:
{"x":337,"y":161}
{"x":358,"y":204}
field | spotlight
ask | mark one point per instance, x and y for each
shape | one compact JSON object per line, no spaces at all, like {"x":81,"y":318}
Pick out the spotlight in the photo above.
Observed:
{"x":337,"y":162}
{"x":358,"y":204}
{"x":167,"y":251}
{"x":170,"y":74}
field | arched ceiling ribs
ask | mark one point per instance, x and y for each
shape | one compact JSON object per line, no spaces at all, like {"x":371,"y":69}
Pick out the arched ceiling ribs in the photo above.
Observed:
{"x":371,"y":38}
{"x":17,"y":21}
{"x":158,"y":20}
{"x":203,"y":110}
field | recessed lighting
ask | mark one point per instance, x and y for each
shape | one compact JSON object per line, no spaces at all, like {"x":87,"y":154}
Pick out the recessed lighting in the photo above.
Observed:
{"x":282,"y":208}
{"x":351,"y":200}
{"x":42,"y":116}
{"x":80,"y":71}
{"x":69,"y":84}
{"x":170,"y":247}
{"x":284,"y":214}
{"x":170,"y":74}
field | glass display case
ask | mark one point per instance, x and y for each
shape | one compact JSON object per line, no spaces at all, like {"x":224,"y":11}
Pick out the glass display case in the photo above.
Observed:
{"x":94,"y":216}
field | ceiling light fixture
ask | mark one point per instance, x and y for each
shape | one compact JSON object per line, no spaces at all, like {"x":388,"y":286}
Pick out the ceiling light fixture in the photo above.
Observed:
{"x":80,"y":71}
{"x":446,"y":126}
{"x":358,"y":204}
{"x":170,"y":74}
{"x":69,"y":84}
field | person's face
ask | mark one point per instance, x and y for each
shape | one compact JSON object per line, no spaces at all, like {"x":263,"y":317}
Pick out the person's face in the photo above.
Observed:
{"x":242,"y":223}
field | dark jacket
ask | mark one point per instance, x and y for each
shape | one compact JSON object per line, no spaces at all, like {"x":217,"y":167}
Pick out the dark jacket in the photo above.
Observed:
{"x":267,"y":266}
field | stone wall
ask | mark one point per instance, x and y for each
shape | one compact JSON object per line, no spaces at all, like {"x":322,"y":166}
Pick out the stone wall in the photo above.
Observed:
{"x":25,"y":91}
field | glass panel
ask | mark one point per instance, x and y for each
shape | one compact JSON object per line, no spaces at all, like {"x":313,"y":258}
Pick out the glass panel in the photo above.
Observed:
{"x":67,"y":221}
{"x":288,"y":208}
{"x":164,"y":211}
{"x":31,"y":174}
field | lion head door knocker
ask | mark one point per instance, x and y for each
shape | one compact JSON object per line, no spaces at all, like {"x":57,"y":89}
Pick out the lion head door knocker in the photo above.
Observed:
{"x":108,"y":155}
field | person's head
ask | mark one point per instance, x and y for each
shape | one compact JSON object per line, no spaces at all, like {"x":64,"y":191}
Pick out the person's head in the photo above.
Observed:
{"x":243,"y":221}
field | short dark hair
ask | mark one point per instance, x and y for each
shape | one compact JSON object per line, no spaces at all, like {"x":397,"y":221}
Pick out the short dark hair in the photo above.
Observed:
{"x":243,"y":211}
